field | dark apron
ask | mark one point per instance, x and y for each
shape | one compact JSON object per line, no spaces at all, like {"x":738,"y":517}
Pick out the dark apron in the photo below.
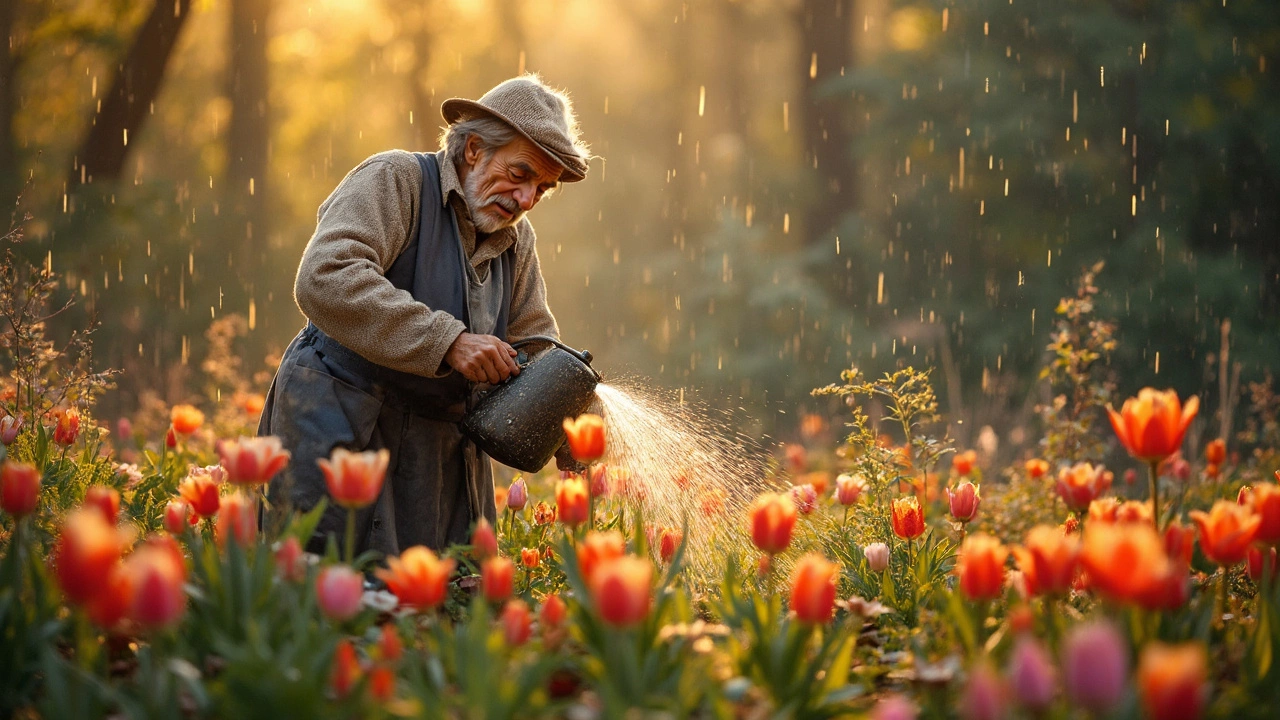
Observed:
{"x":325,"y":395}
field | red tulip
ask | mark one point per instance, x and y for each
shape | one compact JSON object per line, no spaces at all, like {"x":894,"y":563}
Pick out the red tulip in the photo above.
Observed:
{"x":110,"y":603}
{"x":773,"y":517}
{"x":669,"y":540}
{"x":354,"y":479}
{"x":200,"y":490}
{"x":530,"y":557}
{"x":1226,"y":531}
{"x":963,"y":501}
{"x":1081,"y":484}
{"x":106,"y":500}
{"x":1151,"y":426}
{"x":382,"y":683}
{"x":813,"y":589}
{"x":346,"y":669}
{"x":157,"y":571}
{"x":483,"y":540}
{"x":86,"y":551}
{"x":1048,"y":560}
{"x":176,"y":515}
{"x":1265,"y":501}
{"x":252,"y":460}
{"x":597,"y":548}
{"x":1172,"y":680}
{"x":907,"y":518}
{"x":620,"y":590}
{"x":586,"y":437}
{"x":1036,"y":468}
{"x":339,"y":590}
{"x":572,"y":502}
{"x":517,"y":623}
{"x":418,"y":577}
{"x":68,"y":427}
{"x":497,"y":578}
{"x":1255,"y":562}
{"x":389,"y":644}
{"x":289,"y":562}
{"x":1215,"y":452}
{"x":19,"y":488}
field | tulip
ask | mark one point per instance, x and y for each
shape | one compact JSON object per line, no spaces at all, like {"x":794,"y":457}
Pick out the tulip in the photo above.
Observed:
{"x":1022,"y":619}
{"x":907,"y":518}
{"x":68,"y":427}
{"x":984,"y":696}
{"x":1031,"y":674}
{"x":156,"y":573}
{"x":596,"y":548}
{"x":354,"y":479}
{"x":110,"y":603}
{"x":171,"y":438}
{"x":201,"y":493}
{"x":586,"y":437}
{"x":517,"y":495}
{"x":1036,"y":468}
{"x":1081,"y":484}
{"x":812,"y":425}
{"x":390,"y":646}
{"x":483,"y":540}
{"x":418,"y":577}
{"x":1212,"y":471}
{"x":1179,"y":543}
{"x":1134,"y":511}
{"x":106,"y":500}
{"x":553,"y":612}
{"x":572,"y":502}
{"x":497,"y":578}
{"x":797,"y":457}
{"x":895,"y":707}
{"x":544,"y":514}
{"x":1226,"y":531}
{"x":186,"y":419}
{"x":980,"y":566}
{"x":962,"y":463}
{"x":517,"y":623}
{"x":530,"y":558}
{"x":1103,"y":510}
{"x":805,"y":498}
{"x":877,"y":555}
{"x":252,"y":404}
{"x":669,"y":541}
{"x":1255,"y":563}
{"x":500,"y":498}
{"x":177,"y":514}
{"x":963,"y":501}
{"x":237,"y":518}
{"x":620,"y":590}
{"x":19,"y":488}
{"x":87,"y":549}
{"x":346,"y":669}
{"x":1130,"y":476}
{"x":1215,"y":452}
{"x":339,"y":590}
{"x":1265,"y":501}
{"x":1151,"y":426}
{"x":252,"y":460}
{"x":289,"y":561}
{"x":382,"y":683}
{"x":1125,"y":562}
{"x":1095,"y":666}
{"x":1172,"y":680}
{"x":1048,"y":560}
{"x":813,"y":589}
{"x":773,"y":517}
{"x":849,"y":488}
{"x":9,"y":427}
{"x":819,"y":479}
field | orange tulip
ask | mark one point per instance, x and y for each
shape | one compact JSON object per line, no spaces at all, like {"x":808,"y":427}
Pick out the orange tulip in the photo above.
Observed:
{"x":252,"y":404}
{"x":390,"y":647}
{"x":980,"y":566}
{"x":517,"y":623}
{"x":237,"y":518}
{"x":157,"y":571}
{"x":19,"y":488}
{"x":68,"y":427}
{"x":1179,"y":543}
{"x":1151,"y":425}
{"x":1048,"y":560}
{"x":813,"y":589}
{"x":110,"y":602}
{"x":773,"y":517}
{"x":586,"y":437}
{"x":597,"y":548}
{"x":1036,"y":468}
{"x":963,"y":501}
{"x":1172,"y":680}
{"x":1226,"y":531}
{"x":1134,"y":511}
{"x":1125,"y":562}
{"x":200,"y":490}
{"x":106,"y":500}
{"x":346,"y":669}
{"x":86,"y":551}
{"x":1081,"y":484}
{"x":354,"y":479}
{"x":186,"y":419}
{"x":907,"y":518}
{"x":530,"y":558}
{"x":252,"y":460}
{"x":572,"y":502}
{"x":1265,"y":500}
{"x":963,"y":463}
{"x":620,"y":590}
{"x":483,"y":540}
{"x":497,"y":578}
{"x":1215,"y":452}
{"x":1103,"y":510}
{"x":418,"y":577}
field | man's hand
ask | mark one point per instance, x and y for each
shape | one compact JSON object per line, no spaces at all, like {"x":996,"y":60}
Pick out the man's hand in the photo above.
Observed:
{"x":482,"y":358}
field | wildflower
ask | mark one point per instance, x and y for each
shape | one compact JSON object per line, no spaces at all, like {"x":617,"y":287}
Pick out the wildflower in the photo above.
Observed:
{"x":773,"y":517}
{"x":87,"y":549}
{"x":289,"y":560}
{"x":1095,"y":666}
{"x":517,"y":495}
{"x":586,"y":437}
{"x":483,"y":540}
{"x":984,"y":696}
{"x":186,"y":419}
{"x":201,"y":492}
{"x":1031,"y":674}
{"x":106,"y":500}
{"x":805,"y":498}
{"x":1151,"y":425}
{"x":877,"y":555}
{"x":1081,"y":484}
{"x":517,"y":623}
{"x":497,"y":578}
{"x":907,"y":518}
{"x":1172,"y":680}
{"x":962,"y":463}
{"x":68,"y":427}
{"x":1265,"y":501}
{"x":980,"y":566}
{"x":346,"y":669}
{"x":1226,"y":531}
{"x":156,"y":573}
{"x":596,"y":548}
{"x":19,"y":488}
{"x":10,"y":425}
{"x":849,"y":488}
{"x":418,"y":577}
{"x":177,"y":514}
{"x":1036,"y":468}
{"x":813,"y":589}
{"x":572,"y":503}
{"x":237,"y":518}
{"x":252,"y":460}
{"x":354,"y":479}
{"x":1048,"y":560}
{"x":963,"y":501}
{"x":620,"y":590}
{"x":1215,"y":452}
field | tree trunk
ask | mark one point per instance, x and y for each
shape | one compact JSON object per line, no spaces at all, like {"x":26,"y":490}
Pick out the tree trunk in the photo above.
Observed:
{"x":826,"y":50}
{"x":134,"y":88}
{"x":248,"y":138}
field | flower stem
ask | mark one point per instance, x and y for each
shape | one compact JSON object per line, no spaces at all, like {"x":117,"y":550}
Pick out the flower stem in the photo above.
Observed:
{"x":351,"y":533}
{"x":1155,"y":493}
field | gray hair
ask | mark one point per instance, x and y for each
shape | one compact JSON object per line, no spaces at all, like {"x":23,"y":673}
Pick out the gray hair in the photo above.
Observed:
{"x":490,"y":131}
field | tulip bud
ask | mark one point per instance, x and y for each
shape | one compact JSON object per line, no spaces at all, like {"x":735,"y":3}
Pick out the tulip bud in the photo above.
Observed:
{"x":106,"y":500}
{"x":984,"y":696}
{"x":389,"y":644}
{"x":1256,"y":559}
{"x":517,"y":623}
{"x":596,"y":548}
{"x":1130,"y":476}
{"x":289,"y":561}
{"x":517,"y":495}
{"x":176,"y":514}
{"x":1172,"y":680}
{"x":19,"y":488}
{"x":9,"y":427}
{"x":877,"y":556}
{"x":849,"y":488}
{"x":497,"y":578}
{"x":1215,"y":452}
{"x":339,"y":590}
{"x":1031,"y":674}
{"x":68,"y":427}
{"x":171,"y":438}
{"x":1095,"y":666}
{"x":354,"y":480}
{"x":964,"y":501}
{"x":1265,"y":500}
{"x":483,"y":540}
{"x":346,"y":669}
{"x":668,"y":542}
{"x":382,"y":683}
{"x":553,"y":611}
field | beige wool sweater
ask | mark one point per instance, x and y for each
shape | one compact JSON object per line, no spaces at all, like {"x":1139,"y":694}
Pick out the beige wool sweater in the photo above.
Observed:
{"x":363,"y":226}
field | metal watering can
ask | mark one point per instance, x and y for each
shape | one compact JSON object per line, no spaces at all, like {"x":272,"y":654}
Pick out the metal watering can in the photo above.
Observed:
{"x":519,"y":423}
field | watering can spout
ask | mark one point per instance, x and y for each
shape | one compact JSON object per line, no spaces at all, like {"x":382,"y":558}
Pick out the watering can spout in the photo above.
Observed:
{"x":519,"y":422}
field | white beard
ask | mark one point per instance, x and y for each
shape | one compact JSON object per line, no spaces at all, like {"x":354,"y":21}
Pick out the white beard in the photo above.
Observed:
{"x":486,"y":219}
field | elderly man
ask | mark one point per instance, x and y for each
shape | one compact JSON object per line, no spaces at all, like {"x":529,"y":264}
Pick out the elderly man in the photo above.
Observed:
{"x":421,"y":271}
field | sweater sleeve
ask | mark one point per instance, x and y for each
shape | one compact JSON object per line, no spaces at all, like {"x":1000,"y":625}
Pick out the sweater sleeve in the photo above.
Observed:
{"x":341,"y":286}
{"x":530,"y":314}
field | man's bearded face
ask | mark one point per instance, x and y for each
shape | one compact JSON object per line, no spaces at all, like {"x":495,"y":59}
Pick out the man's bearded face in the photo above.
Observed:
{"x":504,"y":184}
{"x":484,"y":207}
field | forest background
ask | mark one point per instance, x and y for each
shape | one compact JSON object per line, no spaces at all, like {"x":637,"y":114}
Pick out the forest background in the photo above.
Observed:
{"x":784,"y":187}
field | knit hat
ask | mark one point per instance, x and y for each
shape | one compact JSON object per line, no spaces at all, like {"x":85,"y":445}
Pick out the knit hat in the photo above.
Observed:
{"x":542,"y":115}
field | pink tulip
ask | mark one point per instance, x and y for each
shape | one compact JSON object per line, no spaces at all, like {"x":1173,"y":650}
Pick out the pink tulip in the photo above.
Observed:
{"x":895,"y":707}
{"x":339,"y":590}
{"x":984,"y":696}
{"x":1031,"y":674}
{"x":877,"y":556}
{"x":9,"y":427}
{"x":849,"y":488}
{"x":1095,"y":666}
{"x":517,"y":495}
{"x":964,"y":500}
{"x":176,"y":515}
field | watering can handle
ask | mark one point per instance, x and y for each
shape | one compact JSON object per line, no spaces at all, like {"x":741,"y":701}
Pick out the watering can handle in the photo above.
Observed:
{"x":582,"y":355}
